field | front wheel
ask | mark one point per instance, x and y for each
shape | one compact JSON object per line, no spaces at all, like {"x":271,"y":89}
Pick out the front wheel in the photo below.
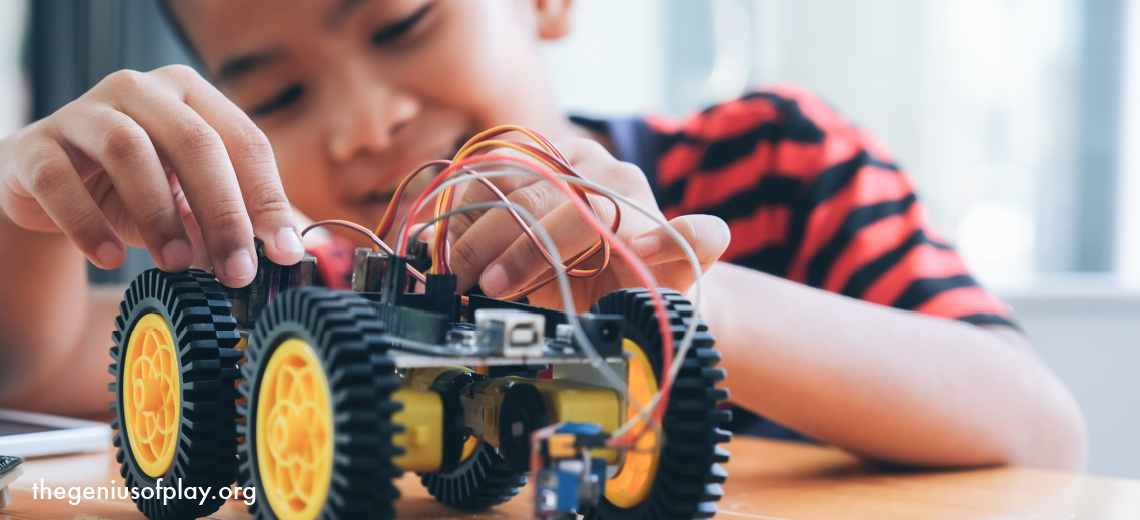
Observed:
{"x":677,"y":477}
{"x":318,"y":411}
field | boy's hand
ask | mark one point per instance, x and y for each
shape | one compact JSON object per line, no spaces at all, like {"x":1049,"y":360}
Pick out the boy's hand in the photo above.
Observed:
{"x":160,"y":160}
{"x":489,"y":248}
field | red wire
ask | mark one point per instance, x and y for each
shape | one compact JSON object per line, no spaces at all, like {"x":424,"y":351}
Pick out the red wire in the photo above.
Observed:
{"x":364,"y":231}
{"x":623,"y":250}
{"x":570,"y":267}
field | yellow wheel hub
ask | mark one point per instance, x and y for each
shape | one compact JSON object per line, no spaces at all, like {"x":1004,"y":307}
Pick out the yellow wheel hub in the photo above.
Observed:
{"x":633,"y":483}
{"x":294,"y":432}
{"x":152,"y":401}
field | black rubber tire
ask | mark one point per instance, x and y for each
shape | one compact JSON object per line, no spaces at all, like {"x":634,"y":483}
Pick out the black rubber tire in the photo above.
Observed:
{"x":195,"y":308}
{"x":482,"y":481}
{"x":689,"y":474}
{"x":348,"y":338}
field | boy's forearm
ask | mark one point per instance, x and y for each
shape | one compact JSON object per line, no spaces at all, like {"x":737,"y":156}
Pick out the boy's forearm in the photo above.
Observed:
{"x":78,"y":386}
{"x":889,"y":385}
{"x":45,"y":320}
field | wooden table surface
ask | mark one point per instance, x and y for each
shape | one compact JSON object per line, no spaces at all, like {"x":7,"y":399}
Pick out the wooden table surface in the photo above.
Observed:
{"x":767,"y":480}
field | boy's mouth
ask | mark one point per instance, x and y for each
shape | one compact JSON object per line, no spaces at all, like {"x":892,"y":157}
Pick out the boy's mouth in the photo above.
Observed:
{"x":378,"y":197}
{"x":382,"y":196}
{"x":376,"y":200}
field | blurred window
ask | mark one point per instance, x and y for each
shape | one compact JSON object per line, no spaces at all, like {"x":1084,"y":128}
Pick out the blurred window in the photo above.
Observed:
{"x":1010,"y":115}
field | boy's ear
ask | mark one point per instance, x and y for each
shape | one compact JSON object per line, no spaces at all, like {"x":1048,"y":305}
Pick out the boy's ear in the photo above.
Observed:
{"x":553,"y":18}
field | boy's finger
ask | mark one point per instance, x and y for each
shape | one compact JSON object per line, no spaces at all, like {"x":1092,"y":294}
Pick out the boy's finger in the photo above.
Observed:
{"x":476,"y":192}
{"x":125,"y":152}
{"x":523,"y":261}
{"x":50,"y":177}
{"x":584,"y":152}
{"x":198,"y":155}
{"x":709,"y":237}
{"x":493,"y":232}
{"x":252,"y":157}
{"x":593,"y":162}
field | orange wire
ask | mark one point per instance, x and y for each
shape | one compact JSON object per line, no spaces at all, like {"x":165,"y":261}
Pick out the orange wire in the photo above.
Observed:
{"x":389,"y":217}
{"x":503,"y":129}
{"x":550,"y":157}
{"x":555,"y":161}
{"x":570,"y":267}
{"x":640,"y":270}
{"x":481,"y":142}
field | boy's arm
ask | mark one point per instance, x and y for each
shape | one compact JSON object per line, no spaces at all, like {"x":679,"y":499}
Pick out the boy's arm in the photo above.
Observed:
{"x":53,"y":352}
{"x":889,"y":385}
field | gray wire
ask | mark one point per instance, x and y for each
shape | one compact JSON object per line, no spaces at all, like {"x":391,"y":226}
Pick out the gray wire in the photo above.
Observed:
{"x":595,"y":359}
{"x":563,"y":283}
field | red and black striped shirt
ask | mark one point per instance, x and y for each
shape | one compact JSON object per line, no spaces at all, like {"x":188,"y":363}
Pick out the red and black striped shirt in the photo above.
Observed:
{"x":808,"y":197}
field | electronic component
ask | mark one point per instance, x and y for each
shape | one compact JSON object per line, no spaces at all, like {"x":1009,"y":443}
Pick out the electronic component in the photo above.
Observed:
{"x":269,"y":281}
{"x":462,"y":339}
{"x":369,"y":269}
{"x":604,"y":333}
{"x":569,"y":478}
{"x":9,"y":470}
{"x":417,"y":255}
{"x":511,"y":332}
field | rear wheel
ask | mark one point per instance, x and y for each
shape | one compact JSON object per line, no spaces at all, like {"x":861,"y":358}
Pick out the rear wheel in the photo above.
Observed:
{"x":318,"y":428}
{"x":482,"y":478}
{"x":681,"y":479}
{"x":175,"y":367}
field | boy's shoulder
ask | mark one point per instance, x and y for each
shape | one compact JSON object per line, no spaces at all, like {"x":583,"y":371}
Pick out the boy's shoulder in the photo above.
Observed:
{"x":799,"y":111}
{"x":795,"y":109}
{"x":786,"y":129}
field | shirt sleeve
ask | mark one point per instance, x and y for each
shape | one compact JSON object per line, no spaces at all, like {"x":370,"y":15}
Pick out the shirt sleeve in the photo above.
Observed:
{"x":813,"y":199}
{"x":335,"y":257}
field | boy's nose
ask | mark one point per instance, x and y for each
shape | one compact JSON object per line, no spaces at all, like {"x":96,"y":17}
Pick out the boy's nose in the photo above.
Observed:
{"x":368,"y":119}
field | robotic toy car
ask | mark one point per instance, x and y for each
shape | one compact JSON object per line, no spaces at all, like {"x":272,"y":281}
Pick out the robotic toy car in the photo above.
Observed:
{"x":316,"y":399}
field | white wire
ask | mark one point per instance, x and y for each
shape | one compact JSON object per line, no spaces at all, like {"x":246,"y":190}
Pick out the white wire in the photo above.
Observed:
{"x":563,"y":281}
{"x":595,"y":359}
{"x":686,"y":341}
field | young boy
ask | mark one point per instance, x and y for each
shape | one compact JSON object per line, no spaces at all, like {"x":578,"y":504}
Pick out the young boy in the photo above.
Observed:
{"x":332,"y":102}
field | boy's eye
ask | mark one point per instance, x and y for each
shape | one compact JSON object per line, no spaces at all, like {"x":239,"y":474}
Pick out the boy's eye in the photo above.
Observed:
{"x":282,"y":100}
{"x":394,"y":31}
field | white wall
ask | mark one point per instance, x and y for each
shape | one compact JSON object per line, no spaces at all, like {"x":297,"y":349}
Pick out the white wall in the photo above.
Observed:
{"x":1088,"y":331}
{"x":611,"y":63}
{"x":974,"y":97}
{"x":1128,"y":231}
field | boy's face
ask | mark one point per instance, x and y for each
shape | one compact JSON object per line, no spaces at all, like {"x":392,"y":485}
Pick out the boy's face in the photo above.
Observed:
{"x":354,"y":94}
